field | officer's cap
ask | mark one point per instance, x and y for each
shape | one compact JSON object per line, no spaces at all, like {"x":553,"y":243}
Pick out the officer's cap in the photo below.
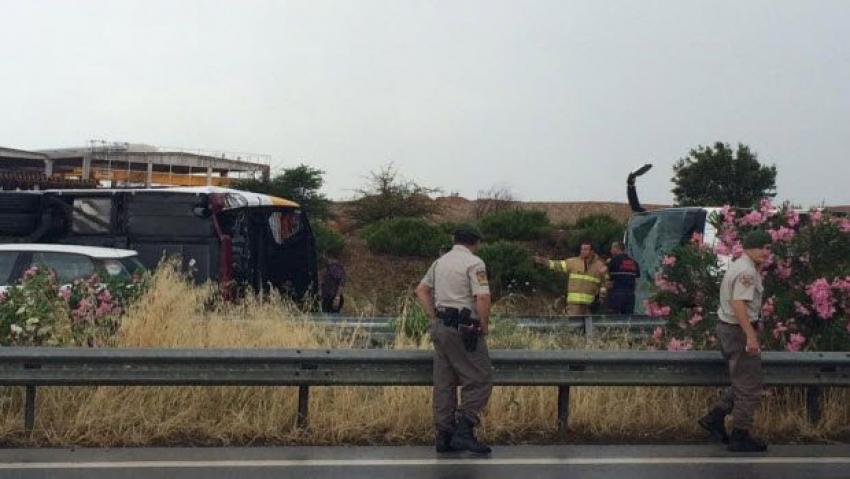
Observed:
{"x":466,"y":230}
{"x":756,"y":239}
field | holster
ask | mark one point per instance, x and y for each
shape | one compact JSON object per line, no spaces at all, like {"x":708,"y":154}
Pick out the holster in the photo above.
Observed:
{"x":470,"y":330}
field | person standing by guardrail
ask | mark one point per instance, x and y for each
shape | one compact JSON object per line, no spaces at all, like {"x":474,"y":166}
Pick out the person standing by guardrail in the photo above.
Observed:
{"x":586,"y":278}
{"x":455,"y":295}
{"x":741,"y":294}
{"x":623,"y":272}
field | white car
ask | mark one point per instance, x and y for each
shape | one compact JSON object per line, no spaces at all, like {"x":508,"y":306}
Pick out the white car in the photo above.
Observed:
{"x":70,"y":262}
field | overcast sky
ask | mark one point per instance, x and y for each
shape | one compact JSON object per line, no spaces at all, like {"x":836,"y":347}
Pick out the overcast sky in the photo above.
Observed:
{"x":555,"y":100}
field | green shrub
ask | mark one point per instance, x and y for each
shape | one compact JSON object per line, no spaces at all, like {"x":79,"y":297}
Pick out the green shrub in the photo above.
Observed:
{"x":328,"y":242}
{"x":515,"y":225}
{"x":510,"y":268}
{"x":387,"y":195}
{"x":405,"y":237}
{"x":600,"y":229}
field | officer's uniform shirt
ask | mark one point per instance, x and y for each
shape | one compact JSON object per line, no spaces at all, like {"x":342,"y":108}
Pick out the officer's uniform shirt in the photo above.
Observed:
{"x":742,"y":281}
{"x":456,"y":278}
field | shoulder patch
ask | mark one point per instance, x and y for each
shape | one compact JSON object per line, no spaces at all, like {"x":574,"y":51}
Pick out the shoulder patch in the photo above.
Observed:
{"x":481,"y":275}
{"x":747,"y":280}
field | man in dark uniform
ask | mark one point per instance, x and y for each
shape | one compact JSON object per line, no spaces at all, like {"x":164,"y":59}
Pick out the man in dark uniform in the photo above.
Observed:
{"x":741,"y":294}
{"x":456,"y":297}
{"x":623,"y":272}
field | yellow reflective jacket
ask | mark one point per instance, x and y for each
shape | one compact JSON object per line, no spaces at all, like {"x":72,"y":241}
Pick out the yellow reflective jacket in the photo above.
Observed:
{"x":586,"y":277}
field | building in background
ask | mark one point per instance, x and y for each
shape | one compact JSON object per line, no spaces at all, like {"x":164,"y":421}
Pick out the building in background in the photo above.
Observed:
{"x":117,"y":164}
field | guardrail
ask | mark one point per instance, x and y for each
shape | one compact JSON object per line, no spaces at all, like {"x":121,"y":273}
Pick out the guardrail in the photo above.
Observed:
{"x":34,"y":367}
{"x":382,"y":328}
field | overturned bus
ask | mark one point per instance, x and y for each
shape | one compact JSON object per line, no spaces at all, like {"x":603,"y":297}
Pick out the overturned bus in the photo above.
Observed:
{"x":234,"y":237}
{"x":650,"y":235}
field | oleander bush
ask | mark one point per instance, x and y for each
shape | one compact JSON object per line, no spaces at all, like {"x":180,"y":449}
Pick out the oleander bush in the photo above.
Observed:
{"x":806,"y":279}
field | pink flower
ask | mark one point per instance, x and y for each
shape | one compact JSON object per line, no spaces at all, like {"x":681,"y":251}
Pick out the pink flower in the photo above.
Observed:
{"x":782,"y":234}
{"x":737,"y":250}
{"x":669,"y":260}
{"x":658,"y":334}
{"x":728,"y":214}
{"x":684,"y":345}
{"x":821,"y":293}
{"x":753,"y":218}
{"x":103,"y":310}
{"x":768,"y":308}
{"x":795,"y":342}
{"x":792,"y":217}
{"x":766,"y":207}
{"x":695,"y":319}
{"x":842,"y":284}
{"x":778,"y":329}
{"x":697,"y":238}
{"x":783,"y":269}
{"x":65,"y":294}
{"x":667,"y":286}
{"x":657,"y":311}
{"x":31,"y":272}
{"x":801,"y":308}
{"x":844,"y":224}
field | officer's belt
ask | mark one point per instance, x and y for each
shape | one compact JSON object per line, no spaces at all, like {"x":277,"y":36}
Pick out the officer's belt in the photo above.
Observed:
{"x":449,"y":316}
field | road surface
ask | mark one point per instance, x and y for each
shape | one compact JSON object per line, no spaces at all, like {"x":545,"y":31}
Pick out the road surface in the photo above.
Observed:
{"x":514,"y":462}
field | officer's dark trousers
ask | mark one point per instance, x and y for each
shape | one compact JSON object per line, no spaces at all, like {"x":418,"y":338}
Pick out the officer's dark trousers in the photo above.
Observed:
{"x":746,"y":374}
{"x":453,"y":367}
{"x":621,"y":302}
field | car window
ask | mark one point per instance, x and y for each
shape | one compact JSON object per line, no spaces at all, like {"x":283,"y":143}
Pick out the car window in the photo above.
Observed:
{"x":67,"y":266}
{"x":113,"y":267}
{"x":133,"y":265}
{"x":7,"y":264}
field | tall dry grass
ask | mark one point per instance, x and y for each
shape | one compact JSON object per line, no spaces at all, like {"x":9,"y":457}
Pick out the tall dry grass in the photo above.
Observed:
{"x":175,"y":313}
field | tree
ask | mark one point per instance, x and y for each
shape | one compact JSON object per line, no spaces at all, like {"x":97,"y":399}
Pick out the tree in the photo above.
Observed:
{"x":300,"y":184}
{"x":388,"y":196}
{"x":718,"y":176}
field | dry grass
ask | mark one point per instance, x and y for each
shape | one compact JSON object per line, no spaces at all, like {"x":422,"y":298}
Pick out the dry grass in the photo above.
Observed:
{"x":175,"y":314}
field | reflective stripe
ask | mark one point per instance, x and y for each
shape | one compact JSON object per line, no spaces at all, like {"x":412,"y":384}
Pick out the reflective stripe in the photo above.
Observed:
{"x":560,"y":265}
{"x":579,"y":298}
{"x":585,"y":277}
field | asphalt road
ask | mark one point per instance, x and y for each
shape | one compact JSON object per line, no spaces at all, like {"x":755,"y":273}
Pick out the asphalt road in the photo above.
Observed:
{"x":519,"y":462}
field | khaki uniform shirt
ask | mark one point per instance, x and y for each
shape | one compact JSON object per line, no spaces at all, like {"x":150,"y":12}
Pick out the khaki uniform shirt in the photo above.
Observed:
{"x":456,"y":278}
{"x":741,"y":281}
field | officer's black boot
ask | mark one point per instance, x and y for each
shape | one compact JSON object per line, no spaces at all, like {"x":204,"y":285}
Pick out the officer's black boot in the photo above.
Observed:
{"x":715,"y":423}
{"x":741,"y":441}
{"x":464,"y":438}
{"x":444,"y":441}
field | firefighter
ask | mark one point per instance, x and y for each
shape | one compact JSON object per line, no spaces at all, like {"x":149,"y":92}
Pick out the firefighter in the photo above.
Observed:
{"x":586,"y":278}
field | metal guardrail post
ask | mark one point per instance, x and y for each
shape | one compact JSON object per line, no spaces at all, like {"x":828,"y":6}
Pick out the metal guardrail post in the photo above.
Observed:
{"x":563,"y":411}
{"x":29,"y":409}
{"x":588,"y":327}
{"x":303,"y":419}
{"x":813,"y":404}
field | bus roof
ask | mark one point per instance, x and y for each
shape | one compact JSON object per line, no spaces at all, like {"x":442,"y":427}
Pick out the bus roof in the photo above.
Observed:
{"x":234,"y":198}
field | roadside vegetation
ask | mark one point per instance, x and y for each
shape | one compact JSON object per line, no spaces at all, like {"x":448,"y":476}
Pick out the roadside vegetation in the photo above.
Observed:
{"x":174,"y":313}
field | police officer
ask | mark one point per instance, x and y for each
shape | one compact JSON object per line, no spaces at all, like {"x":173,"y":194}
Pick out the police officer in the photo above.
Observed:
{"x":741,"y":293}
{"x":454,"y":293}
{"x":623,"y":272}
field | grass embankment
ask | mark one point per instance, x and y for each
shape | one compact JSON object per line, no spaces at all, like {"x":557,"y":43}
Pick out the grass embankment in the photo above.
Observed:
{"x":175,"y":314}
